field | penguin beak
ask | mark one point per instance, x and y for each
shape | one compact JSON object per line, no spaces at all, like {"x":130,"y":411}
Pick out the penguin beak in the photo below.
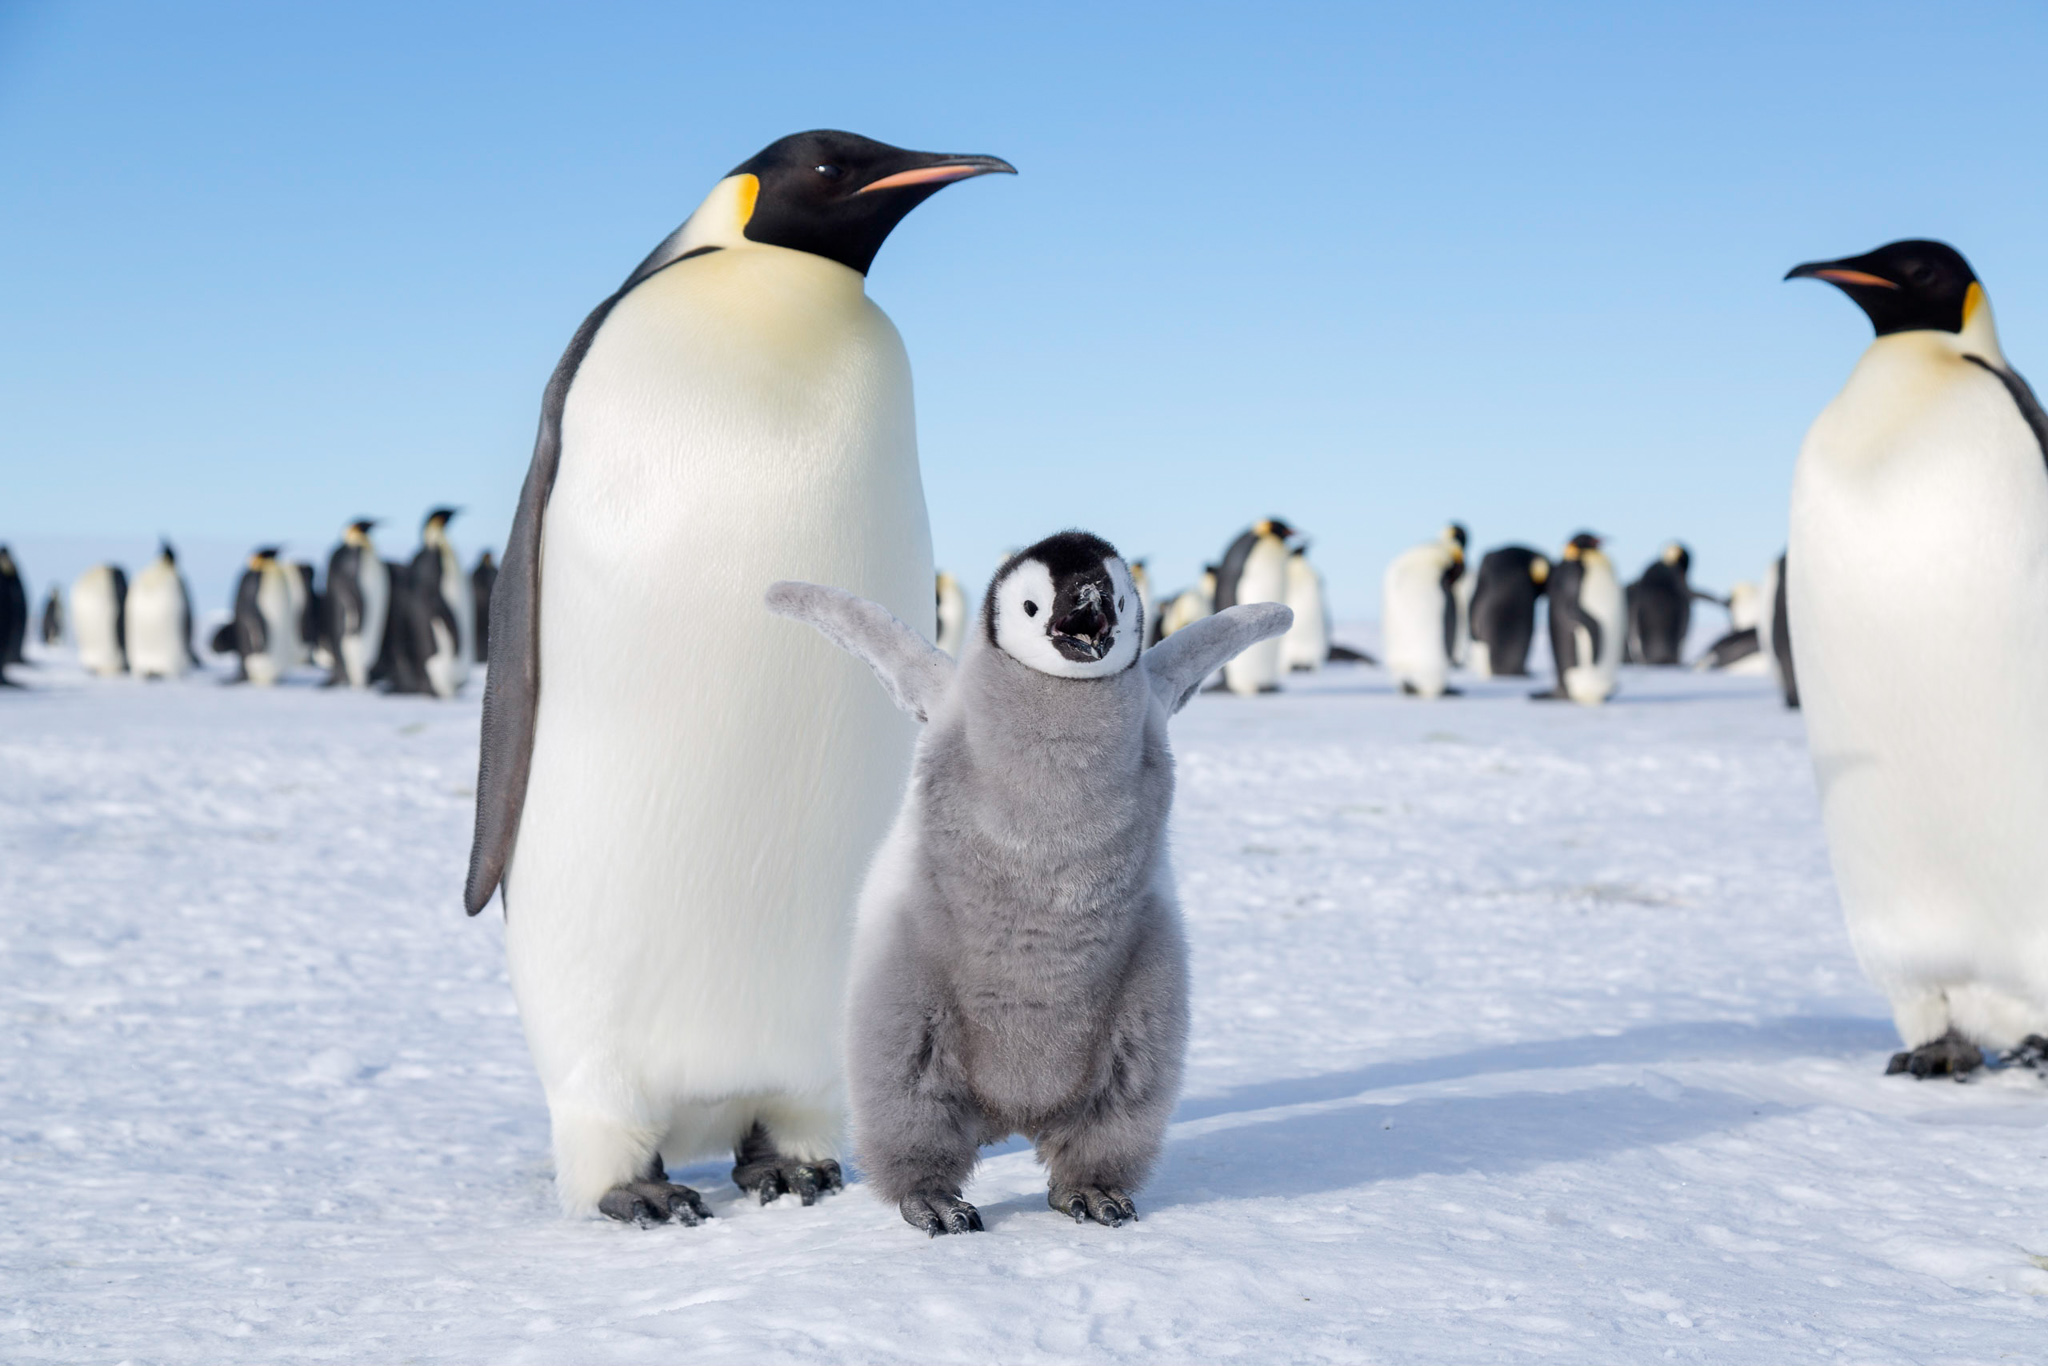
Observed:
{"x":1083,"y":635}
{"x":1839,"y":273}
{"x":938,"y":168}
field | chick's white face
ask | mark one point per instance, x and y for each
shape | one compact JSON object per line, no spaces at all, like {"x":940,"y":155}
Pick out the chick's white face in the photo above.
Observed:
{"x":1083,"y":625}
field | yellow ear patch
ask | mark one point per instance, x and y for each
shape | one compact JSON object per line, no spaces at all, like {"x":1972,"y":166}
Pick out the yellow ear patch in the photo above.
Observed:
{"x":1539,"y":571}
{"x":1972,"y":301}
{"x":747,"y":194}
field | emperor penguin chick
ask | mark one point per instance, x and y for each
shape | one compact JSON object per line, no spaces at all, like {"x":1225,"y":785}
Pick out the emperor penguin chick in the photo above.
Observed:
{"x":1019,"y":965}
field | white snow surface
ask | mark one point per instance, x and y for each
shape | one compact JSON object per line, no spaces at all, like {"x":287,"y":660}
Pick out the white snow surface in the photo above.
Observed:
{"x":1521,"y":1033}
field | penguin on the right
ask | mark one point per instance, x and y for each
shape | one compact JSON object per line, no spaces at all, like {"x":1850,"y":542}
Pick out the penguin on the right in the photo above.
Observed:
{"x":1587,"y":621}
{"x":1255,"y":570}
{"x":1660,"y":609}
{"x":1932,"y":762}
{"x":99,"y":621}
{"x":1508,"y":585}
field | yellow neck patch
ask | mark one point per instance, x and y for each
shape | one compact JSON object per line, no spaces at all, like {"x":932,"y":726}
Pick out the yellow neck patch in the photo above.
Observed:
{"x":1972,"y":301}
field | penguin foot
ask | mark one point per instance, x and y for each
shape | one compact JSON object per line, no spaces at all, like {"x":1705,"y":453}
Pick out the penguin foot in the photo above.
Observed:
{"x":2031,"y":1053}
{"x":653,"y":1202}
{"x":937,"y":1214}
{"x":1103,"y":1204}
{"x":1951,"y":1055}
{"x":766,"y":1174}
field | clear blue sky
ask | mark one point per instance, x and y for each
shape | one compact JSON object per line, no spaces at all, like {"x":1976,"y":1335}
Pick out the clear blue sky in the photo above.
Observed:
{"x":271,"y":266}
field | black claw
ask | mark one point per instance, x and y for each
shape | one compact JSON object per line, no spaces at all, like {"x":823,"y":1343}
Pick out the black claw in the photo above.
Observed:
{"x":1949,"y":1055}
{"x":937,"y":1214}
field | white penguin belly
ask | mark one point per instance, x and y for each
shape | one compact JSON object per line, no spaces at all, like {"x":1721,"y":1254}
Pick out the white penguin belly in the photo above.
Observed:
{"x":94,"y":615}
{"x":448,"y":666}
{"x":1919,"y":597}
{"x":709,"y":782}
{"x":1600,"y":597}
{"x":156,"y":624}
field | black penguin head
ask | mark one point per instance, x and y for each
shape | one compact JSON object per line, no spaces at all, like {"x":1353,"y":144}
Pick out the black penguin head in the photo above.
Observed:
{"x":164,"y":551}
{"x":439,"y":517}
{"x":1274,"y":526}
{"x":1066,"y":607}
{"x":1678,"y":557}
{"x":7,"y":569}
{"x":1578,"y":546}
{"x":839,"y":195}
{"x":264,"y":555}
{"x":1454,"y":532}
{"x":1911,"y":286}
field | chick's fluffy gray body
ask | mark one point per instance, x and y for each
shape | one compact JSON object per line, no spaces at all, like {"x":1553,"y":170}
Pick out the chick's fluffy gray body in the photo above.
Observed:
{"x":1019,"y":964}
{"x":1022,"y":967}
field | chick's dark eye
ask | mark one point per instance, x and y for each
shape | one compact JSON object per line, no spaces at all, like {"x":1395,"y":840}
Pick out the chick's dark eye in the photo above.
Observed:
{"x":1030,"y":608}
{"x":829,"y":171}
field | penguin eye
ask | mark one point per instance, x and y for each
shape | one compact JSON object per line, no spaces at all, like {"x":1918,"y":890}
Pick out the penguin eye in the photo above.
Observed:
{"x":829,"y":171}
{"x":1030,"y":608}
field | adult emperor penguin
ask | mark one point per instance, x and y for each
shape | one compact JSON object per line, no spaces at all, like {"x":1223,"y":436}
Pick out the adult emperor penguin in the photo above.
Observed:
{"x":443,"y":619}
{"x":1306,"y":646}
{"x":1932,"y":761}
{"x":99,"y":600}
{"x":1740,"y":649}
{"x":678,"y":797}
{"x":1587,"y":620}
{"x":1419,"y":613}
{"x":1505,"y":591}
{"x":13,"y":610}
{"x":358,"y":598}
{"x":952,"y":605}
{"x":482,"y":580}
{"x":159,"y":615}
{"x":1660,"y":609}
{"x":267,"y":622}
{"x":1255,"y":570}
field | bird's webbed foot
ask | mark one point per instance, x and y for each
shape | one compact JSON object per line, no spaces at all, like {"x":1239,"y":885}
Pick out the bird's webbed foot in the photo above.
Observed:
{"x":1103,"y":1204}
{"x":1951,"y":1055}
{"x":762,"y":1171}
{"x":653,"y":1202}
{"x":940,"y":1213}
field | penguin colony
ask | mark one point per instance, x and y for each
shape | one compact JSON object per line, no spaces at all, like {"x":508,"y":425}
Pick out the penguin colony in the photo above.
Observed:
{"x":742,"y":359}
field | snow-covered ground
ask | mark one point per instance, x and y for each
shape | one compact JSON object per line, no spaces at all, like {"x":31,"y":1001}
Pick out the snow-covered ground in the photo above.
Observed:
{"x":1521,"y":1033}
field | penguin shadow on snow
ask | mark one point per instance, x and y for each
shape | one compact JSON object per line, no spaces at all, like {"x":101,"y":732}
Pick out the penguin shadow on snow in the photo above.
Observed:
{"x":1381,"y":1141}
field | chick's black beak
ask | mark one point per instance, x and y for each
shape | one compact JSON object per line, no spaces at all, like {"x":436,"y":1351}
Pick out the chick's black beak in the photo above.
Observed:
{"x":934,"y":169}
{"x":1084,"y":633}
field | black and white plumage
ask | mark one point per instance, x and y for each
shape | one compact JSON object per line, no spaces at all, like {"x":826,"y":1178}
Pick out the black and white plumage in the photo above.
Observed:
{"x":1254,"y":569}
{"x":1588,"y":618}
{"x":358,"y":604}
{"x":439,"y":616}
{"x":1420,"y":612}
{"x":1019,"y":964}
{"x":158,"y":612}
{"x":1916,"y":588}
{"x":99,"y":623}
{"x":1505,"y":592}
{"x":1660,"y":609}
{"x":663,"y":773}
{"x":268,"y":628}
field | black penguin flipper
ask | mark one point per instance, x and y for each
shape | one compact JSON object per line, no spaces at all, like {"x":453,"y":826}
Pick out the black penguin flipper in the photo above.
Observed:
{"x":2023,"y":397}
{"x":252,"y":636}
{"x":1592,"y":629}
